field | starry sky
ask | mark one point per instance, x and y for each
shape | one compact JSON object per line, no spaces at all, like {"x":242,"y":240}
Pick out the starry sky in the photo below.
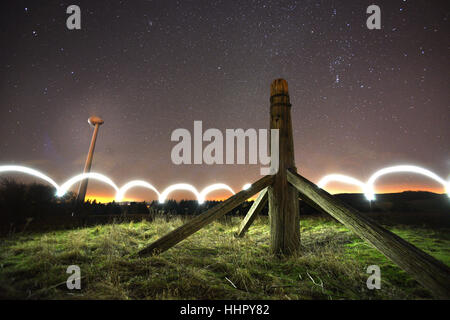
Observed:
{"x":361,"y":99}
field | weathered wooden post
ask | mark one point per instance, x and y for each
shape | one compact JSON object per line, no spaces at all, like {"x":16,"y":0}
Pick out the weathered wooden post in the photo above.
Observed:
{"x":283,"y":197}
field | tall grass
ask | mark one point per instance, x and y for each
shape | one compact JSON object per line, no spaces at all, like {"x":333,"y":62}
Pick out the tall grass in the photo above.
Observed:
{"x":211,"y":264}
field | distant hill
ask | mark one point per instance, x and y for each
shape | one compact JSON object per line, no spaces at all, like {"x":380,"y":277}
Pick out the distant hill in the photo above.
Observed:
{"x":409,"y":207}
{"x":407,"y":200}
{"x":405,"y":195}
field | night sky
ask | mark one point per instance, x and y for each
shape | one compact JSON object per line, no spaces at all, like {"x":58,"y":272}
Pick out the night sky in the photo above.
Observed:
{"x":361,"y":99}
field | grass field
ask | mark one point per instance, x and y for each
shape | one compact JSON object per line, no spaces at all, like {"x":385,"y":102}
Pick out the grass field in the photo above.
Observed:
{"x":211,"y":264}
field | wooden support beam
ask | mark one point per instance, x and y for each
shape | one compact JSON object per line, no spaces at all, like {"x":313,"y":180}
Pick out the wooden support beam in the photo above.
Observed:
{"x":430,"y":272}
{"x":256,"y":208}
{"x":283,"y":198}
{"x":198,"y":222}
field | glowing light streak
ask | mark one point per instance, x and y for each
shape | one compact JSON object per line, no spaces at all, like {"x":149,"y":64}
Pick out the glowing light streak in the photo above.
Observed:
{"x":120,"y":193}
{"x":136,"y":183}
{"x":370,"y":194}
{"x":368,"y":187}
{"x":91,"y":175}
{"x":211,"y":188}
{"x":30,"y":172}
{"x":341,"y":178}
{"x":179,"y":186}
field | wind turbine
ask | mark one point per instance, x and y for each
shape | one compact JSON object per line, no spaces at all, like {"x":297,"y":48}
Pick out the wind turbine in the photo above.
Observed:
{"x":96,"y":122}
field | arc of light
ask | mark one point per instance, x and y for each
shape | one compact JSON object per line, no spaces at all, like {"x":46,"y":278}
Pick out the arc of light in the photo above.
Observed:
{"x":29,"y":171}
{"x":179,"y":186}
{"x":370,"y":193}
{"x":91,"y":175}
{"x":247,"y":186}
{"x":136,"y":183}
{"x":211,"y":188}
{"x":341,"y":178}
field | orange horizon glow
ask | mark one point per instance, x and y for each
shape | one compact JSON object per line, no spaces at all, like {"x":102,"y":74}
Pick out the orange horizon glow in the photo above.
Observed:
{"x":104,"y":198}
{"x":109,"y":198}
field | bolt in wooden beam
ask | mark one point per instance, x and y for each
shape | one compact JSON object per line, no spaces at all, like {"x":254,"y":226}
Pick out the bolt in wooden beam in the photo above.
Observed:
{"x":428,"y":271}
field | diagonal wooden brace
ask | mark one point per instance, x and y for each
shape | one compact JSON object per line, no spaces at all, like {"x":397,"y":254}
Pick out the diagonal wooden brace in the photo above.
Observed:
{"x":428,"y":271}
{"x":172,"y":238}
{"x":256,"y":208}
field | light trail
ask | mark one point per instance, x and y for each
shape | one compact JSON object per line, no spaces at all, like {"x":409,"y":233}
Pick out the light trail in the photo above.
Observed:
{"x":367,"y":188}
{"x":136,"y":183}
{"x":370,"y":194}
{"x":341,"y":178}
{"x":247,"y":186}
{"x":179,"y":186}
{"x":201,"y":196}
{"x":91,"y":175}
{"x":211,"y":188}
{"x":120,"y":192}
{"x":30,"y":172}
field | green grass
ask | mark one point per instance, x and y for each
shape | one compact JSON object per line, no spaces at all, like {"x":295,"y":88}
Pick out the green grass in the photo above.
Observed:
{"x":211,"y":264}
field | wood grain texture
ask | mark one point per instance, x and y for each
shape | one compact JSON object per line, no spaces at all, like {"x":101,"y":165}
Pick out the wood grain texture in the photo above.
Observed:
{"x":198,"y":222}
{"x":251,"y":215}
{"x":428,"y":271}
{"x":283,"y":198}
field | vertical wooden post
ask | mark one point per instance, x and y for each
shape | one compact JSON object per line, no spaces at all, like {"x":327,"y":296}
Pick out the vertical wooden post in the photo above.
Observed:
{"x":283,"y":198}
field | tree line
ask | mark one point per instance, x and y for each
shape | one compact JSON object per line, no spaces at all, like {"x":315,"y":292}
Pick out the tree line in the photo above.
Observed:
{"x":21,"y":204}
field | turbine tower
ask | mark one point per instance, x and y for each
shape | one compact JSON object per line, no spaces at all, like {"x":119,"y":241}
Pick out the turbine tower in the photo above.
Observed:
{"x":96,"y":122}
